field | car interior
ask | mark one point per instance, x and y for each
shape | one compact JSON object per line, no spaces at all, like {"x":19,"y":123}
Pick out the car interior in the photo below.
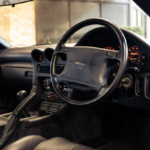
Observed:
{"x":91,"y":95}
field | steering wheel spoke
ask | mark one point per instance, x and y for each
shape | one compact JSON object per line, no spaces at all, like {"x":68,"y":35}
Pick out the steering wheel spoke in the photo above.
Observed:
{"x":93,"y":50}
{"x":118,"y":56}
{"x":103,"y":90}
{"x":93,"y":54}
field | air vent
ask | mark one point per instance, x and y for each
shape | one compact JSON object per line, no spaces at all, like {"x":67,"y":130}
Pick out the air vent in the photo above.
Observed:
{"x":148,"y":87}
{"x":44,"y":69}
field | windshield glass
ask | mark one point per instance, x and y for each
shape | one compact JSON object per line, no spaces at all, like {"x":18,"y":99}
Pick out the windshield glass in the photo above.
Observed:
{"x":45,"y":21}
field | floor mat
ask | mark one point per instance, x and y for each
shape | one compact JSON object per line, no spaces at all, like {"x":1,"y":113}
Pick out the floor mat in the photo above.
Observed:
{"x":136,"y":136}
{"x":78,"y":126}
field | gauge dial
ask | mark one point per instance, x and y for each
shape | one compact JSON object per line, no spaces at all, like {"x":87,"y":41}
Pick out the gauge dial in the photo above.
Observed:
{"x":40,"y":58}
{"x":109,"y":48}
{"x":134,"y":55}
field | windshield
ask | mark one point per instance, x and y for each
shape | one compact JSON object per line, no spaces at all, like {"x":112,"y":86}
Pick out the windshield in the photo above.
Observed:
{"x":45,"y":21}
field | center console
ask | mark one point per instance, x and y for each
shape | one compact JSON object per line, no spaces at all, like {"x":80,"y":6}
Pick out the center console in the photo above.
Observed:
{"x":47,"y":105}
{"x":50,"y":101}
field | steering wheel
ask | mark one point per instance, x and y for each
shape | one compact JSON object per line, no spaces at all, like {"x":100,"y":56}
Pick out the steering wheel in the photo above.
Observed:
{"x":88,"y":68}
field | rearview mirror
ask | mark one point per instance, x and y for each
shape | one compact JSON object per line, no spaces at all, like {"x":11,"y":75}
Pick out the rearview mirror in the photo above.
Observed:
{"x":12,"y":2}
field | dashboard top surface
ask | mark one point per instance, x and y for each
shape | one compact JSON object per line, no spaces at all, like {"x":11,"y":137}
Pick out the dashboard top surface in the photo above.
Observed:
{"x":99,"y":37}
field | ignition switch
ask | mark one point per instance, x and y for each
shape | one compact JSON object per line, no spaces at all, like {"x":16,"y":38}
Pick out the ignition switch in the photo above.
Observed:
{"x":127,"y":81}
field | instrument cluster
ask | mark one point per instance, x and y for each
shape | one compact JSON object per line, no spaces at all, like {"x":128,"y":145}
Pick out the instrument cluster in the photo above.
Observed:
{"x":135,"y":57}
{"x":42,"y":56}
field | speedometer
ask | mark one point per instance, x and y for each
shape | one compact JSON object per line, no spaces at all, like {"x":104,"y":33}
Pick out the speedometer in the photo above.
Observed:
{"x":134,"y":55}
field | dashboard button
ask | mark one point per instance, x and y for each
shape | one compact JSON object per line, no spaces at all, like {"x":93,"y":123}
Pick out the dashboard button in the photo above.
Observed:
{"x":48,"y":88}
{"x":143,"y":64}
{"x":144,"y":57}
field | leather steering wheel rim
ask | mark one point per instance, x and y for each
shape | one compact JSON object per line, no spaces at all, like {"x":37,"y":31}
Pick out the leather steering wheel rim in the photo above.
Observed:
{"x":107,"y":57}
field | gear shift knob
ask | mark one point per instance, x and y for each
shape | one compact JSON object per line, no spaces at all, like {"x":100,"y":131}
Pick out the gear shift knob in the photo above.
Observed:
{"x":21,"y":95}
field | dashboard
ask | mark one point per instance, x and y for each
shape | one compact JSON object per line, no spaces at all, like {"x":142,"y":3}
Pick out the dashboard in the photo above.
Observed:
{"x":137,"y":56}
{"x":24,"y":67}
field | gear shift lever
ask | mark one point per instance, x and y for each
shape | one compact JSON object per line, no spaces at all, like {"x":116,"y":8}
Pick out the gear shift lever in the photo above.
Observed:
{"x":21,"y":95}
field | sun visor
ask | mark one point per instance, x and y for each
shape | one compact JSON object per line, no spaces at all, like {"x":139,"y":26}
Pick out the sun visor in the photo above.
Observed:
{"x":12,"y":2}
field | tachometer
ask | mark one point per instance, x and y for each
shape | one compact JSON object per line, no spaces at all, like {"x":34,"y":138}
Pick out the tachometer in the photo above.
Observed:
{"x":109,"y":47}
{"x":134,"y":55}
